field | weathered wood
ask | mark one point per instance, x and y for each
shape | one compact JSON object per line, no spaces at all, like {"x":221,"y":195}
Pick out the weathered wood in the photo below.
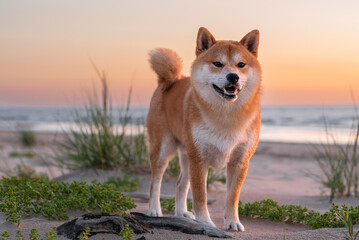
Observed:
{"x":182,"y":224}
{"x":102,"y":223}
{"x":105,"y":223}
{"x":146,"y":196}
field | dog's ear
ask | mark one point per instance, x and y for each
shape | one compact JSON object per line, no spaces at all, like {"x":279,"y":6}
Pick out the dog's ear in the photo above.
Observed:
{"x":204,"y":40}
{"x":251,"y":42}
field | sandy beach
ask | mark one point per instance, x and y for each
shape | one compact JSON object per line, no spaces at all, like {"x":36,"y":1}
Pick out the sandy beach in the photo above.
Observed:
{"x":277,"y":170}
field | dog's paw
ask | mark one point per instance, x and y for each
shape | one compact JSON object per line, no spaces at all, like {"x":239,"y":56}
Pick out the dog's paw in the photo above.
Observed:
{"x":155,"y":213}
{"x":186,"y":214}
{"x":233,"y":226}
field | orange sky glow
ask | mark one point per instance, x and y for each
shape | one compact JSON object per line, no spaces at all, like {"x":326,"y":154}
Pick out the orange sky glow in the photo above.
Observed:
{"x":309,"y":50}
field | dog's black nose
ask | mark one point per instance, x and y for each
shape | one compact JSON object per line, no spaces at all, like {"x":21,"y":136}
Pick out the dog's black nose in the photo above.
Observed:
{"x":232,"y":78}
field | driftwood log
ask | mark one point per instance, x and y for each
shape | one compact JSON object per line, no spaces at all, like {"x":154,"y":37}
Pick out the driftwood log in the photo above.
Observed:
{"x":139,"y":222}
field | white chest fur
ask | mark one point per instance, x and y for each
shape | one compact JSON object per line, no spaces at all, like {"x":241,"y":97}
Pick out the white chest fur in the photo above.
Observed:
{"x":214,"y":146}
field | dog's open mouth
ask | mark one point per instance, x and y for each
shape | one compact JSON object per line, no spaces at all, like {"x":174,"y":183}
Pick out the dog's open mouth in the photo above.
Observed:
{"x":230,"y":91}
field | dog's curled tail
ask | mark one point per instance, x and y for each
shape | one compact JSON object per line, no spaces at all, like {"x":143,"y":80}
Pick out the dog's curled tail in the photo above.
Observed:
{"x":167,"y":65}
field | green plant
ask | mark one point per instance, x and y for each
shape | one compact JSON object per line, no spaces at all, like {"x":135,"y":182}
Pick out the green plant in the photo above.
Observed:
{"x":22,"y":154}
{"x":51,"y":199}
{"x":270,"y":209}
{"x":26,"y":172}
{"x":51,"y":235}
{"x":85,"y":235}
{"x":174,"y":168}
{"x":94,"y":144}
{"x":22,"y":171}
{"x":34,"y":235}
{"x":134,"y":147}
{"x":126,"y":233}
{"x":19,"y":235}
{"x":346,"y":216}
{"x":124,"y":184}
{"x":27,"y":138}
{"x":97,"y":142}
{"x":339,"y":164}
{"x":215,"y":176}
{"x":5,"y":235}
{"x":169,"y":204}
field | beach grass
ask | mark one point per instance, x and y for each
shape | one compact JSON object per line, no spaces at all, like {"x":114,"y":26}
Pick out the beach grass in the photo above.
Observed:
{"x":27,"y":138}
{"x":98,"y":142}
{"x":338,"y":163}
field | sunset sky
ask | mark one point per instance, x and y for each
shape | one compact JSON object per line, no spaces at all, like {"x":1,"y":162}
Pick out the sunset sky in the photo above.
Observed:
{"x":309,"y":50}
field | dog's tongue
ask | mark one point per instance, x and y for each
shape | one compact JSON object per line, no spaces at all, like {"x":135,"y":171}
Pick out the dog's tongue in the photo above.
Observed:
{"x":230,"y":89}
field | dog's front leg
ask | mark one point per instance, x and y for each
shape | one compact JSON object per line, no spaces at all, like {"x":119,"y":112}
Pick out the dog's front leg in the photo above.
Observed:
{"x":198,"y":178}
{"x":236,"y":173}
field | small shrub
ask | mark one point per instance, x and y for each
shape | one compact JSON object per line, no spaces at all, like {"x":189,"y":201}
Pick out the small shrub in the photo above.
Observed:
{"x":126,"y":233}
{"x":4,"y":235}
{"x":270,"y":209}
{"x":51,"y":235}
{"x":34,"y":235}
{"x":174,"y":168}
{"x":23,"y":171}
{"x":51,"y":199}
{"x":124,"y":184}
{"x":85,"y":235}
{"x":19,"y":235}
{"x":346,"y":215}
{"x":28,"y":138}
{"x":27,"y":172}
{"x":215,"y":176}
{"x":170,"y":203}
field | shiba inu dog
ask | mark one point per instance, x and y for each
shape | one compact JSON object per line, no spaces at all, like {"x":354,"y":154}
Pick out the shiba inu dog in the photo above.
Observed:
{"x":212,"y":118}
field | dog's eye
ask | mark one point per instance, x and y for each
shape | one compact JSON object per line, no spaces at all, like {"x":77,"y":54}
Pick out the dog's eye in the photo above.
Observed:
{"x":241,"y":65}
{"x":218,"y":64}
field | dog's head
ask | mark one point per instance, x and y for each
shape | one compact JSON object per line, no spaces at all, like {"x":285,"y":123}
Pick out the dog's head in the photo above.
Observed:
{"x":228,"y":70}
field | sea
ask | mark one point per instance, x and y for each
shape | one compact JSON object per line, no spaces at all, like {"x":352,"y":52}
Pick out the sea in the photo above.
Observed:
{"x":297,"y":124}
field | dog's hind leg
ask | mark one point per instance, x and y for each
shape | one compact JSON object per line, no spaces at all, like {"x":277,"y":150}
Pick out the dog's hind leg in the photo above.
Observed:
{"x":182,"y":186}
{"x":161,"y":153}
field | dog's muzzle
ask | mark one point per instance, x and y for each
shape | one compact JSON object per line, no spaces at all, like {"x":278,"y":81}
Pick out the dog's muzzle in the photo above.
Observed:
{"x":230,"y":91}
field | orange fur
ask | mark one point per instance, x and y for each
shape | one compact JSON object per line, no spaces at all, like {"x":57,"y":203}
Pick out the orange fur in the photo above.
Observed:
{"x":210,"y":127}
{"x":167,"y":65}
